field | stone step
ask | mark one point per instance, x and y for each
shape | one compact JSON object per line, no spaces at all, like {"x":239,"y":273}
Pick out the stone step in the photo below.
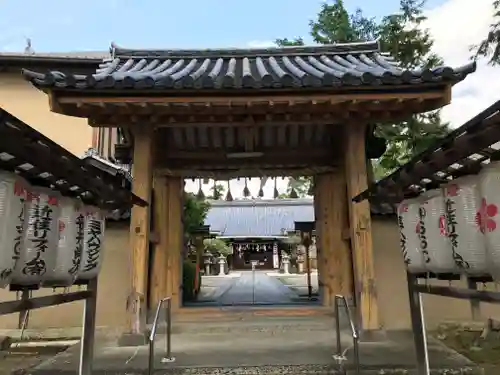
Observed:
{"x":255,"y":325}
{"x":274,"y":370}
{"x":198,"y":314}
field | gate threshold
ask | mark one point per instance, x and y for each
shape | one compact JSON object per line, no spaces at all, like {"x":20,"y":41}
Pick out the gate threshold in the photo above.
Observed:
{"x":187,"y":314}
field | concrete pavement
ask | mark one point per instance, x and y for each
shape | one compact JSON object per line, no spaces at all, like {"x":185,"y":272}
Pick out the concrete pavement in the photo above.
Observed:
{"x":256,"y":345}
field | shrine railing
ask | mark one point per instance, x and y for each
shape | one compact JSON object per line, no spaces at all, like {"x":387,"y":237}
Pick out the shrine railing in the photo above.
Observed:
{"x":152,"y":335}
{"x":340,"y":355}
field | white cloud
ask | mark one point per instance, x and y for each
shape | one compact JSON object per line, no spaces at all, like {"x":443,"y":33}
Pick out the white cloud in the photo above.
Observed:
{"x":455,"y":26}
{"x":261,"y":44}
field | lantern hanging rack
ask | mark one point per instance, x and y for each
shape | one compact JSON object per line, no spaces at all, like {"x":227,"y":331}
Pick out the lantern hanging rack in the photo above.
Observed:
{"x":464,"y":151}
{"x":42,"y":162}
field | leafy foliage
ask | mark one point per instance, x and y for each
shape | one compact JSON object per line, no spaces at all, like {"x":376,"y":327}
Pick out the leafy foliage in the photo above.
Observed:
{"x":403,"y":37}
{"x":289,"y":42}
{"x":216,"y":245}
{"x":217,"y":191}
{"x":490,"y":46}
{"x":301,"y":186}
{"x":412,"y":48}
{"x":189,"y":275}
{"x":335,"y":25}
{"x":195,"y":212}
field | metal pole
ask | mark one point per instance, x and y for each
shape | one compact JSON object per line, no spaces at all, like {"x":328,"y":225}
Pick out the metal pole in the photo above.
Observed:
{"x":169,"y":328}
{"x":24,"y":315}
{"x":355,"y":346}
{"x":337,"y":328}
{"x":308,"y":265}
{"x":88,"y":330}
{"x":253,"y":283}
{"x":151,"y":357}
{"x":168,"y":339}
{"x":418,"y":326}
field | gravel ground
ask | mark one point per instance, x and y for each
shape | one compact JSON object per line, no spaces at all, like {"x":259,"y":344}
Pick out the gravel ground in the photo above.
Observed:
{"x":484,"y":352}
{"x":19,"y":361}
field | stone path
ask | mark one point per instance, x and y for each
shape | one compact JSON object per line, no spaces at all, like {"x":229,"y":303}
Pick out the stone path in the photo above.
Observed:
{"x":213,"y":287}
{"x":298,"y":282}
{"x":256,"y":288}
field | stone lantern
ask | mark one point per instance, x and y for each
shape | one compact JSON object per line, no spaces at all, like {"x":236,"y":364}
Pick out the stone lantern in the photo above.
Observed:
{"x":207,"y":260}
{"x":222,"y":265}
{"x":286,"y":263}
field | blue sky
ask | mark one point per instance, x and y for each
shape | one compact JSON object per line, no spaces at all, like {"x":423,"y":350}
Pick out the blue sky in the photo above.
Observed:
{"x":71,"y":25}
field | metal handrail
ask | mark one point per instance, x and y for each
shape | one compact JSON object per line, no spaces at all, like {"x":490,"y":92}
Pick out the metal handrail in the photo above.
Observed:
{"x":340,"y":356}
{"x":168,"y":321}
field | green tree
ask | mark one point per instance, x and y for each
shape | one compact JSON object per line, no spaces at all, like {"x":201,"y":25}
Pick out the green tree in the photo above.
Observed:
{"x":412,"y":48}
{"x":216,"y":245}
{"x":301,"y":186}
{"x":335,"y":25}
{"x":289,"y":42}
{"x":490,"y":46}
{"x":217,"y":191}
{"x":195,"y":212}
{"x":404,"y":38}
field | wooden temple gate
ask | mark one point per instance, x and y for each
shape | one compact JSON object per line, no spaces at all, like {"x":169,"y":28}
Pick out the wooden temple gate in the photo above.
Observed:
{"x":250,"y":112}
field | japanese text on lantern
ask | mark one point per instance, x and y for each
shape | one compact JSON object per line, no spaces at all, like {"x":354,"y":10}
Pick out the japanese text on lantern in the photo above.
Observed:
{"x":421,"y":231}
{"x":451,"y":228}
{"x":77,"y":256}
{"x":19,"y":191}
{"x":93,"y":244}
{"x":402,"y":237}
{"x":40,"y":223}
{"x":19,"y":230}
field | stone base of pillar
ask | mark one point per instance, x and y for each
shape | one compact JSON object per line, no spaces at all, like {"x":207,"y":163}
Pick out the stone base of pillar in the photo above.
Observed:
{"x":133,"y":339}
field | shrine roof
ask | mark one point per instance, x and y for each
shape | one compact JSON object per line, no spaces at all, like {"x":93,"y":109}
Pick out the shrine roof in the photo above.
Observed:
{"x":81,"y":62}
{"x":266,"y":217}
{"x":350,"y":64}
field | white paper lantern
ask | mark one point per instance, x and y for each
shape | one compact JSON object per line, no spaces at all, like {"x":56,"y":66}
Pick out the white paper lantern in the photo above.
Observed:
{"x":408,"y":221}
{"x":70,"y":245}
{"x":434,"y":241}
{"x":13,"y":192}
{"x":489,"y":182}
{"x":39,"y":246}
{"x":92,"y":243}
{"x":462,"y":204}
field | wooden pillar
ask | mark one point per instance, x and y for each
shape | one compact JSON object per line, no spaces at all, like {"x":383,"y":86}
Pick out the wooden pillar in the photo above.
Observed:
{"x":173,"y":232}
{"x":167,"y":260}
{"x":330,"y":191}
{"x":159,"y":277}
{"x":139,"y":231}
{"x":320,"y":255}
{"x":360,"y":229}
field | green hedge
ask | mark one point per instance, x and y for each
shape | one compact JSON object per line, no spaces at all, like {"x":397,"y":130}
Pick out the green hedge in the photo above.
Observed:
{"x":188,"y":277}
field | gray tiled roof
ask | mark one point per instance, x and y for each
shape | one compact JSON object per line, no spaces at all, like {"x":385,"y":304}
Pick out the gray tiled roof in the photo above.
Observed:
{"x":96,"y":55}
{"x":350,"y":64}
{"x":265,"y":217}
{"x":258,"y":217}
